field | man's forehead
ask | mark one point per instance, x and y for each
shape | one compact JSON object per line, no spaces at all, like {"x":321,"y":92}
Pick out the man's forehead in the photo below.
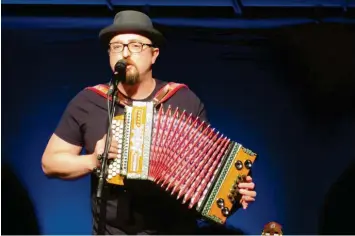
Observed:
{"x":125,"y":38}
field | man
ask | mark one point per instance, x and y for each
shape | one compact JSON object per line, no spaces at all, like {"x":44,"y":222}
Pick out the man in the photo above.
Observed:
{"x":138,"y":206}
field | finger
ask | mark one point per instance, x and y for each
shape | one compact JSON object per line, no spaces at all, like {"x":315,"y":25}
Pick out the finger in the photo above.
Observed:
{"x":248,"y":179}
{"x":98,"y":163}
{"x":109,"y":156}
{"x":247,"y":192}
{"x":114,"y":150}
{"x":114,"y":144}
{"x":112,"y":155}
{"x":244,"y":205}
{"x":99,"y":149}
{"x":100,"y":146}
{"x":248,"y":199}
{"x":246,"y":186}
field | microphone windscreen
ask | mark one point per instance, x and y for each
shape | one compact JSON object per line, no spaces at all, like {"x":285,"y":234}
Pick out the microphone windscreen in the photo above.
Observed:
{"x":120,"y":65}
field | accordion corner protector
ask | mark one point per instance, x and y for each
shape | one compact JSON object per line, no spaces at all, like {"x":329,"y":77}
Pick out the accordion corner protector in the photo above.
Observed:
{"x":224,"y":194}
{"x":116,"y":180}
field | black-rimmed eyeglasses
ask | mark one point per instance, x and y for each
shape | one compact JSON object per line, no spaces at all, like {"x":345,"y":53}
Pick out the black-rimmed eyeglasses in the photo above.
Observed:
{"x":134,"y":47}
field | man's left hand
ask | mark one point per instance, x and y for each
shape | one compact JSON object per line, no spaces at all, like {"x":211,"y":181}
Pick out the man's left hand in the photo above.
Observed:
{"x":246,"y":189}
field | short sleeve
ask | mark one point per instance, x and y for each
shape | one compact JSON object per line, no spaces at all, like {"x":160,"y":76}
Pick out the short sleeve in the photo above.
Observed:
{"x":188,"y":100}
{"x":71,"y":124}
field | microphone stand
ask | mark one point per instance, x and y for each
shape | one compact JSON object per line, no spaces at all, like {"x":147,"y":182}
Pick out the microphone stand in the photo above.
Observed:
{"x":104,"y":157}
{"x":118,"y":75}
{"x":102,"y":171}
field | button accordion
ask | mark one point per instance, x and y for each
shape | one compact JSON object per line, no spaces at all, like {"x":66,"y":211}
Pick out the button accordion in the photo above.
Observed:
{"x":183,"y":155}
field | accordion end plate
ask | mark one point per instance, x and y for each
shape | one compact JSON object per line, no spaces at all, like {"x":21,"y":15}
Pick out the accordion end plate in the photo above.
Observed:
{"x":224,"y":194}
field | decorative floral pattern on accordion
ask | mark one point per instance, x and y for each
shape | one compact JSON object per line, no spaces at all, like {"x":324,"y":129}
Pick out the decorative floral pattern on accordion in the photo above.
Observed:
{"x":182,"y":154}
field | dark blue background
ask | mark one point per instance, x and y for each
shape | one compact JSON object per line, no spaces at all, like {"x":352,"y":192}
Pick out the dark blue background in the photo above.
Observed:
{"x":282,"y":87}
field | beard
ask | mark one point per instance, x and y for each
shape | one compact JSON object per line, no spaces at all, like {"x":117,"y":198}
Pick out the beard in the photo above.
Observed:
{"x":132,"y":76}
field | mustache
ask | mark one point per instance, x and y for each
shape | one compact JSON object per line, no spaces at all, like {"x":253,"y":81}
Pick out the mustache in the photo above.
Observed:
{"x":129,"y":62}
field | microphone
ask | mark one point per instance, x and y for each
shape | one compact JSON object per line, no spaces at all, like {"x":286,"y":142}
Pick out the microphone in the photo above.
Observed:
{"x":119,"y":75}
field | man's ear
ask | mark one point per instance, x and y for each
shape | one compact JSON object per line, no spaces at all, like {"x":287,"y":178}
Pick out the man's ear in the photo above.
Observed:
{"x":155,"y":52}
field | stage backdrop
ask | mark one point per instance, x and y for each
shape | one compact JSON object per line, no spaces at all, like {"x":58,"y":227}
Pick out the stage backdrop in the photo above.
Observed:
{"x":283,"y":92}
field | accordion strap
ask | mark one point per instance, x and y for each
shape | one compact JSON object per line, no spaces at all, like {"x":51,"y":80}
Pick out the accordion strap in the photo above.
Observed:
{"x":166,"y":92}
{"x":102,"y":90}
{"x":161,"y":96}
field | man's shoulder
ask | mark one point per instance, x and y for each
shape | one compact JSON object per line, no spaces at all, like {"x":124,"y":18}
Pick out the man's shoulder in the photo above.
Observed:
{"x":89,"y":95}
{"x":183,"y":90}
{"x":185,"y":93}
{"x":186,"y":99}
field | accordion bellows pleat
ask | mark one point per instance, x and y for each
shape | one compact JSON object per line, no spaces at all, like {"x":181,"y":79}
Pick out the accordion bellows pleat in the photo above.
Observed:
{"x":183,"y":155}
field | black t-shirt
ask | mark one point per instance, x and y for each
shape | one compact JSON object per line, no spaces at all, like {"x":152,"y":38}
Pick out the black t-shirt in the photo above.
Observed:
{"x":139,"y":205}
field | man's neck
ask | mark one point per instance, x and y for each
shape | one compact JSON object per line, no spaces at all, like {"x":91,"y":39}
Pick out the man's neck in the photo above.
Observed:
{"x":138,"y":91}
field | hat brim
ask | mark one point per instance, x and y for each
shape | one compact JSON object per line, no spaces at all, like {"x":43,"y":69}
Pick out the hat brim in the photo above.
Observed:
{"x":107,"y":33}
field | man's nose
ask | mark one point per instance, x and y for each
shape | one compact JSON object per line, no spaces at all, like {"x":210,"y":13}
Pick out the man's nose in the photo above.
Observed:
{"x":126,"y":53}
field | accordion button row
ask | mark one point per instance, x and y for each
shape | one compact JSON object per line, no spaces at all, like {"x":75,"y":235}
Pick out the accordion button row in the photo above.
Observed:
{"x":225,"y":211}
{"x":232,"y":196}
{"x":239,"y":164}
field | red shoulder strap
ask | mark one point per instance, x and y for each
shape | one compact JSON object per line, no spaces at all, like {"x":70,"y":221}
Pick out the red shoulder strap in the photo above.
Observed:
{"x":102,"y":90}
{"x":167,"y":91}
{"x":161,"y":96}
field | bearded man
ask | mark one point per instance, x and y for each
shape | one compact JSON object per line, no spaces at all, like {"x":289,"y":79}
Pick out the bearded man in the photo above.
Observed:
{"x":137,"y":207}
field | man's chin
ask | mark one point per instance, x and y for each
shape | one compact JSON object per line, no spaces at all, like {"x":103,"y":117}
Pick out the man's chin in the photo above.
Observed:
{"x":131,"y":81}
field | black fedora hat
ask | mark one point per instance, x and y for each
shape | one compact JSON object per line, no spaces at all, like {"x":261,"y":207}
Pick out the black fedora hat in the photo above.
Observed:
{"x":130,"y":21}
